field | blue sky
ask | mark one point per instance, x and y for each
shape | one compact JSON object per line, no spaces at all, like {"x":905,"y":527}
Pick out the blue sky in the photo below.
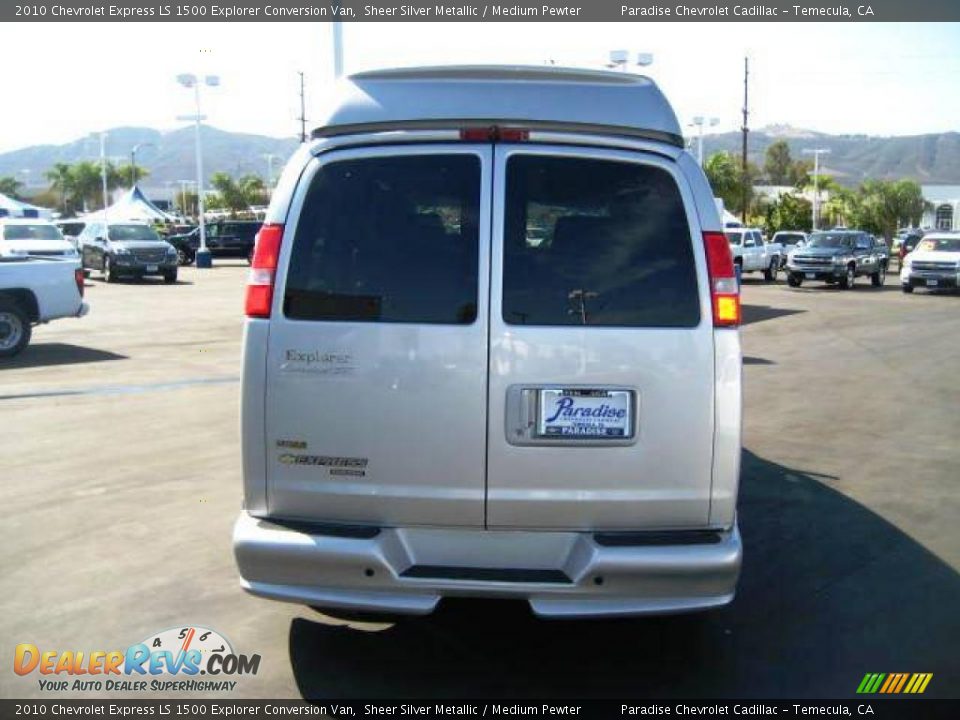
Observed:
{"x":874,"y":78}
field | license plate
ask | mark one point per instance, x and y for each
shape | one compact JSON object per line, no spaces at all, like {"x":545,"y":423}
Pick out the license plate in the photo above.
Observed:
{"x":932,"y":283}
{"x":811,"y":276}
{"x":585,"y":413}
{"x":151,"y":268}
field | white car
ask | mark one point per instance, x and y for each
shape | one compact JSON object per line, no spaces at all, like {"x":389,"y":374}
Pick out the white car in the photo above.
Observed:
{"x":492,"y":349}
{"x":752,"y":254}
{"x":34,"y":291}
{"x":22,"y":237}
{"x":934,"y":263}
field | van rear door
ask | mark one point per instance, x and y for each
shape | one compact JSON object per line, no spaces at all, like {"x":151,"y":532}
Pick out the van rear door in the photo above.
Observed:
{"x":601,"y":353}
{"x":377,"y":365}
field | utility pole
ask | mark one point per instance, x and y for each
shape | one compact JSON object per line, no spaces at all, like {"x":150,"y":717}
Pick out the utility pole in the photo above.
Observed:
{"x":746,"y":129}
{"x":303,"y":111}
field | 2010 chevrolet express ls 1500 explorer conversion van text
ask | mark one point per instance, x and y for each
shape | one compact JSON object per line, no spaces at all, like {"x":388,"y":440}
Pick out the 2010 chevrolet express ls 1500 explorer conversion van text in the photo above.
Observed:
{"x":492,"y":349}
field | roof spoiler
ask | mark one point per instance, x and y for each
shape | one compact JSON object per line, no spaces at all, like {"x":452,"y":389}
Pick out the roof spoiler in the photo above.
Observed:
{"x":455,"y":124}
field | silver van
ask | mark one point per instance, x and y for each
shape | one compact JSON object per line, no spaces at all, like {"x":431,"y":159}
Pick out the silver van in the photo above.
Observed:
{"x":492,"y":350}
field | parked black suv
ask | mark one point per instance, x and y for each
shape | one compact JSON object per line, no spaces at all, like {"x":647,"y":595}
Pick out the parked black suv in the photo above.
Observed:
{"x":839,"y":256}
{"x":225,"y":238}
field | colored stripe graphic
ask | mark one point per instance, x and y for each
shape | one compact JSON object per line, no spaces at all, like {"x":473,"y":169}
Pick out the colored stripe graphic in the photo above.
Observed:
{"x":894,"y":683}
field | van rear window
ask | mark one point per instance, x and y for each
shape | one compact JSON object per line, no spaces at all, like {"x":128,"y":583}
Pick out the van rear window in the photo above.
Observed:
{"x":596,"y":242}
{"x":388,"y":240}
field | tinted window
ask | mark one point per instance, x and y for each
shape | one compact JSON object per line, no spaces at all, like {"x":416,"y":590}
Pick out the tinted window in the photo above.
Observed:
{"x":388,"y":240}
{"x":788,"y":238}
{"x":31,"y":232}
{"x":596,"y":242}
{"x":121,"y":233}
{"x":831,"y":240}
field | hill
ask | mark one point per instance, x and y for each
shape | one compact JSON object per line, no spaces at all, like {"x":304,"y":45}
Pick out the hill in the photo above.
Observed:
{"x":169,"y":156}
{"x":929,"y":159}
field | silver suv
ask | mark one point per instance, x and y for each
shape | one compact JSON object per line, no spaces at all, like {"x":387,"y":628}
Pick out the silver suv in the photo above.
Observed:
{"x":492,"y":349}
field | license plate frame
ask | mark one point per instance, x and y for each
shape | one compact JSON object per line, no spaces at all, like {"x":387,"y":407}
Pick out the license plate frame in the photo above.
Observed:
{"x":600,"y":414}
{"x":811,"y":276}
{"x":932,"y":282}
{"x":152,"y":268}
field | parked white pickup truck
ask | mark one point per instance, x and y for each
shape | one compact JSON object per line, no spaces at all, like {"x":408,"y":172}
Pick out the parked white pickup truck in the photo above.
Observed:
{"x":751,"y":253}
{"x":34,"y":291}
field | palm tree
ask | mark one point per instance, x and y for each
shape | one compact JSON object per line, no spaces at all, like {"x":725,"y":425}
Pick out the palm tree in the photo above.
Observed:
{"x":9,"y":185}
{"x":61,"y":180}
{"x":87,"y":184}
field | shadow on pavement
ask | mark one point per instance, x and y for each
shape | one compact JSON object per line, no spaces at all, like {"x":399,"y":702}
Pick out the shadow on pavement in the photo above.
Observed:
{"x":46,"y":354}
{"x":759,"y":313}
{"x":748,"y":360}
{"x":829,"y":592}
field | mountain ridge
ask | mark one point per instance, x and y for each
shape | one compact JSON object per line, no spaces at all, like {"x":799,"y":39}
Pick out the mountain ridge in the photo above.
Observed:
{"x":932,"y":158}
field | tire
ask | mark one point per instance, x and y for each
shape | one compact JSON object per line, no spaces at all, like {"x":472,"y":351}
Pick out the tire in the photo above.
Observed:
{"x":170,"y":277}
{"x":770,"y":274}
{"x":109,"y":274}
{"x":907,"y":288}
{"x":794,"y":280}
{"x":15,"y":329}
{"x":184,"y":256}
{"x":879,"y":277}
{"x":848,"y":281}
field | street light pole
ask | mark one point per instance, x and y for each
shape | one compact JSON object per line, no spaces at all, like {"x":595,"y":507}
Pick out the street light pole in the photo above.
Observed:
{"x":133,"y":162}
{"x":203,"y":258}
{"x":103,"y":177}
{"x":698,"y":122}
{"x":816,"y":152}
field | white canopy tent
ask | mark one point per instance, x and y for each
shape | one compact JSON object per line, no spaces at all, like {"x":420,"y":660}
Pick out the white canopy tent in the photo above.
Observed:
{"x":133,"y":205}
{"x":9,"y":207}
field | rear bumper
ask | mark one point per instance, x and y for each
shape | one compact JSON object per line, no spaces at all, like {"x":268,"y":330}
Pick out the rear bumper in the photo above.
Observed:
{"x":561,"y":574}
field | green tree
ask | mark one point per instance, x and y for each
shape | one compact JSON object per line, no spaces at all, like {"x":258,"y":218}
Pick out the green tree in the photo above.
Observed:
{"x":10,"y":186}
{"x":236,"y":195}
{"x":777,"y":163}
{"x":888,"y":204}
{"x":61,"y":181}
{"x":728,"y":181}
{"x":125,"y":175}
{"x":788,"y":212}
{"x":86,"y":184}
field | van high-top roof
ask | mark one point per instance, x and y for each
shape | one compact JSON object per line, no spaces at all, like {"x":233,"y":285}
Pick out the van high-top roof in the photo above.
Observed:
{"x":542,"y":98}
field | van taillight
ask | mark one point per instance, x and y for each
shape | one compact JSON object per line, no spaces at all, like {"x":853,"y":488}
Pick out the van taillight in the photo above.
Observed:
{"x":724,"y":290}
{"x":78,"y":279}
{"x":263,"y":271}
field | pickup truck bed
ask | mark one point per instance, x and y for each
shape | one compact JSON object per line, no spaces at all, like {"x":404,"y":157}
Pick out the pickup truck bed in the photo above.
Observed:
{"x":36,"y":290}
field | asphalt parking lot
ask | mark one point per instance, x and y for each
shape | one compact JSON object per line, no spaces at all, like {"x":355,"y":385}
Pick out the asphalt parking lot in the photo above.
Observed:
{"x":120,"y":468}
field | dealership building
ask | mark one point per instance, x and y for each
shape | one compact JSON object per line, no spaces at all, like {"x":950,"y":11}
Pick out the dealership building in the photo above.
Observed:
{"x":944,"y":210}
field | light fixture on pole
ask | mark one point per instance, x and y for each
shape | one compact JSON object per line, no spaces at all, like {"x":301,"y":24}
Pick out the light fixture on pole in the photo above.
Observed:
{"x":133,"y":161}
{"x":189,"y":80}
{"x":816,"y":152}
{"x":621,"y":59}
{"x":698,"y":122}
